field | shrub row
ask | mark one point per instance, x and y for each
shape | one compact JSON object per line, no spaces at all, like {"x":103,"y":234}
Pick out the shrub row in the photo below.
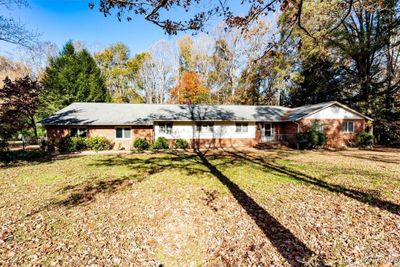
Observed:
{"x":98,"y":143}
{"x":74,"y":144}
{"x":314,"y":139}
{"x":160,"y":143}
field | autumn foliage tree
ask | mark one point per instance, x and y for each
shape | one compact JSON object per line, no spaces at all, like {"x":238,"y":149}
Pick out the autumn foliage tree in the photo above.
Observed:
{"x":18,"y":105}
{"x":190,"y":90}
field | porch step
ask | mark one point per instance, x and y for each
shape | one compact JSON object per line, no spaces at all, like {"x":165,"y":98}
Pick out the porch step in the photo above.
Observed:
{"x":268,"y":145}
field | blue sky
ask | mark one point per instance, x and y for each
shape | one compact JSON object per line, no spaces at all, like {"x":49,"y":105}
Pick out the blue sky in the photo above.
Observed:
{"x":62,"y":20}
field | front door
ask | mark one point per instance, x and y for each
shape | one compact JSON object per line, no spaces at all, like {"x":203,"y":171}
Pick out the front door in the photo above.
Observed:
{"x":268,"y":132}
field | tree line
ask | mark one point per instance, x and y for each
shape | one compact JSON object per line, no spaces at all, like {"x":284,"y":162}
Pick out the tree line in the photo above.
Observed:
{"x":318,"y":51}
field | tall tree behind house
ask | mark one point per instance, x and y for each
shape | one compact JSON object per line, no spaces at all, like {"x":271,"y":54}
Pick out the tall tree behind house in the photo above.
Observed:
{"x":71,"y":77}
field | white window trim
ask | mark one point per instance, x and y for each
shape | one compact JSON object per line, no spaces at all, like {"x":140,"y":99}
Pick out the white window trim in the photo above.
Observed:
{"x":271,"y":130}
{"x":163,"y":132}
{"x":79,"y":128}
{"x":203,"y":129}
{"x":319,"y":126}
{"x":123,"y":132}
{"x":241,"y":126}
{"x":347,"y":127}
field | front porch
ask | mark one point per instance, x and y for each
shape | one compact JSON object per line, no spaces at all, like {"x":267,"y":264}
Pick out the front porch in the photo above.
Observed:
{"x":271,"y":133}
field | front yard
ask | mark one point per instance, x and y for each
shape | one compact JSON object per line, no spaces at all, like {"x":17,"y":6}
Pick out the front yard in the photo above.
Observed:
{"x":230,"y":207}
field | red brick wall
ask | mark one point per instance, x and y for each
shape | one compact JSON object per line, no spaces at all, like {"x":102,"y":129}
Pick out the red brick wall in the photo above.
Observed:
{"x":55,"y":133}
{"x":109,"y":133}
{"x":333,"y":130}
{"x":289,"y":130}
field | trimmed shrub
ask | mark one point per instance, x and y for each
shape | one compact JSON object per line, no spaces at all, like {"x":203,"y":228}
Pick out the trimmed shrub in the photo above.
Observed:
{"x":98,"y":143}
{"x":72,"y":144}
{"x":181,"y":144}
{"x":321,"y":139}
{"x":365,"y":140}
{"x":141,"y":144}
{"x":160,"y":143}
{"x":79,"y":143}
{"x":311,"y":139}
{"x":301,"y":139}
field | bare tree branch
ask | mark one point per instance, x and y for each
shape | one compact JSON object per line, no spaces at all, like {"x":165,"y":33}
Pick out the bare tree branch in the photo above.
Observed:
{"x":12,"y":31}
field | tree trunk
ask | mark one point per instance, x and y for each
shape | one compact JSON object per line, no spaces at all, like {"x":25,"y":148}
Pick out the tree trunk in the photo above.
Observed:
{"x":33,"y":125}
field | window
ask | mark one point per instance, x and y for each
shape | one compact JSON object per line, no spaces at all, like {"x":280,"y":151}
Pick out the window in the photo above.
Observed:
{"x":123,"y":133}
{"x":165,"y":127}
{"x":78,"y":131}
{"x":205,"y":127}
{"x":348,"y":127}
{"x":268,"y":130}
{"x":318,"y":126}
{"x":242,"y":127}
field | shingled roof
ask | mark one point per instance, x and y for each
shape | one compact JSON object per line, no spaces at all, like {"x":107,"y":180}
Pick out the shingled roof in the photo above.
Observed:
{"x":296,"y":114}
{"x":147,"y":114}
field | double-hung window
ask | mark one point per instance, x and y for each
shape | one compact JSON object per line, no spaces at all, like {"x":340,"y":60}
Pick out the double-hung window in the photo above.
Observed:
{"x":205,"y":127}
{"x":123,"y":133}
{"x":165,"y":127}
{"x":242,"y":127}
{"x":78,"y":131}
{"x":318,"y":126}
{"x":348,"y":127}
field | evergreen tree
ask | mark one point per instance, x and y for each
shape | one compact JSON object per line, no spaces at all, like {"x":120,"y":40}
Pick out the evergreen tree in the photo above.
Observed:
{"x":71,"y":77}
{"x":318,"y":81}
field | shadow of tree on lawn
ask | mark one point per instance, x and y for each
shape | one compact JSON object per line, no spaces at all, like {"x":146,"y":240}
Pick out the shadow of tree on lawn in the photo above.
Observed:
{"x":288,"y":245}
{"x":85,"y":193}
{"x":366,"y":198}
{"x":372,"y":157}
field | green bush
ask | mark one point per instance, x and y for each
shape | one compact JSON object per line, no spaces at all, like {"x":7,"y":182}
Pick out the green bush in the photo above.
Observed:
{"x":321,"y":139}
{"x":79,"y":143}
{"x":161,"y":143}
{"x":141,"y":144}
{"x":21,"y":155}
{"x":181,"y":144}
{"x":311,"y":139}
{"x":71,"y":144}
{"x":98,"y":143}
{"x":3,"y":145}
{"x":365,"y":140}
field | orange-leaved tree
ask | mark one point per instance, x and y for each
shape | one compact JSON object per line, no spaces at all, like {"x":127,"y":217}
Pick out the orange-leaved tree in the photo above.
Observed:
{"x":190,"y":90}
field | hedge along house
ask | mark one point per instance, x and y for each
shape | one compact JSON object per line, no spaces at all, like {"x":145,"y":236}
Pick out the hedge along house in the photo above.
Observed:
{"x":206,"y":125}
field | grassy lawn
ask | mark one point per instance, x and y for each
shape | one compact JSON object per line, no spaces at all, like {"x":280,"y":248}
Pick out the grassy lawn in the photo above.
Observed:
{"x":215,"y":208}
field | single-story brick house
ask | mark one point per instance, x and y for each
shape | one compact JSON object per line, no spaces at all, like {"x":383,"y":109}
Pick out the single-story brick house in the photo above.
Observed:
{"x":205,"y":125}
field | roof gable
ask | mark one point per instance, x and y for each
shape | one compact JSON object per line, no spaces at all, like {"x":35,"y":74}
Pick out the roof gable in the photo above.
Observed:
{"x":342,"y":112}
{"x":334,"y":112}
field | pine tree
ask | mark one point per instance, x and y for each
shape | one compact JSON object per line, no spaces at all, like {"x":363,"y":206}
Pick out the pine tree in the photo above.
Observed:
{"x":71,"y":77}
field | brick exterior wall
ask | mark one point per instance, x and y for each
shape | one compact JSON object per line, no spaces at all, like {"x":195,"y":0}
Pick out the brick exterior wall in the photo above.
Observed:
{"x":286,"y":131}
{"x":55,"y":133}
{"x":289,"y":131}
{"x":333,"y":130}
{"x":109,"y":133}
